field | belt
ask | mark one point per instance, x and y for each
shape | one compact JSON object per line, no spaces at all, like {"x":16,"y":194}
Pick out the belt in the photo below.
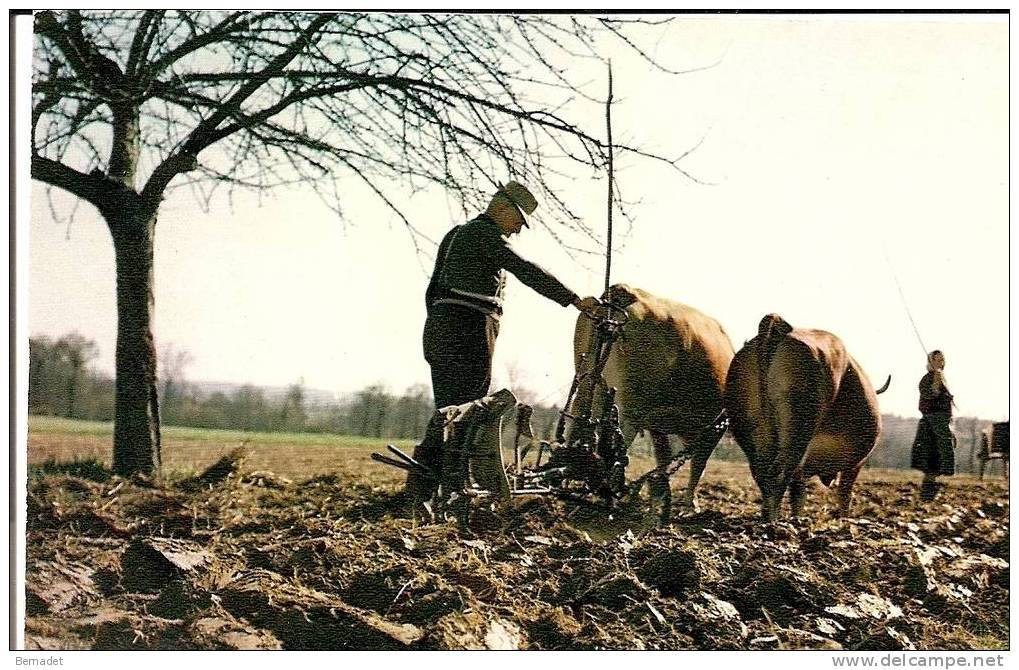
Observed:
{"x":494,"y":312}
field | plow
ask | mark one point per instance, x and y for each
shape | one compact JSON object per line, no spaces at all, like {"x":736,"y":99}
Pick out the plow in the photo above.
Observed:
{"x":462,"y":459}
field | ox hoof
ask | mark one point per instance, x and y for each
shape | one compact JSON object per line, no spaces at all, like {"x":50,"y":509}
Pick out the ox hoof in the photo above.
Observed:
{"x":689,"y":506}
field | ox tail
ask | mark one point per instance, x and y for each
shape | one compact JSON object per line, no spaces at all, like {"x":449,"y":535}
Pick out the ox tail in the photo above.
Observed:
{"x":770,"y":332}
{"x":885,"y":386}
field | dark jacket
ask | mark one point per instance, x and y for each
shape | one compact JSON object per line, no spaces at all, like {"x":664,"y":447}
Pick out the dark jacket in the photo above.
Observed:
{"x":932,"y":400}
{"x":934,"y":445}
{"x":470,"y":270}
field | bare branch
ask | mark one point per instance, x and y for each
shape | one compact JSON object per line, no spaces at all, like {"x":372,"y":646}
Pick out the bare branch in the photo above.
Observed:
{"x":147,"y":28}
{"x":200,"y":138}
{"x":92,"y":188}
{"x":217,"y":33}
{"x":404,"y":102}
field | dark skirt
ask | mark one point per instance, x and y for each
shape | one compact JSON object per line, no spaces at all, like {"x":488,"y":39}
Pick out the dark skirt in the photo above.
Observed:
{"x":934,"y":445}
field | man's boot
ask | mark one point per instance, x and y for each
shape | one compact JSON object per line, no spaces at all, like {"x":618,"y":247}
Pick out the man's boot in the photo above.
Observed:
{"x":928,"y":488}
{"x":421,"y":487}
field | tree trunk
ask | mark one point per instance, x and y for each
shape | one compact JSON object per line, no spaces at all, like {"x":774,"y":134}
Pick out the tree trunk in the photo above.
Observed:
{"x":71,"y":386}
{"x":136,"y":438}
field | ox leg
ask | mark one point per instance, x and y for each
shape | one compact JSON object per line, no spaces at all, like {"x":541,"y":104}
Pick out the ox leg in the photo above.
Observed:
{"x":698,"y":460}
{"x":775,"y":483}
{"x":762,"y":467}
{"x":660,"y":484}
{"x":628,"y":429}
{"x":795,"y":429}
{"x":797,"y":491}
{"x":844,"y":492}
{"x":759,"y":465}
{"x":770,"y":508}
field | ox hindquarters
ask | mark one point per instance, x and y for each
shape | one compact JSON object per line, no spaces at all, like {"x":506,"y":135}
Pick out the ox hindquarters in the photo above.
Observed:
{"x":798,"y":393}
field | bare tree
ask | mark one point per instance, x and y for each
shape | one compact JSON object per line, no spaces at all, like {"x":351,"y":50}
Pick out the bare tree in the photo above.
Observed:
{"x":41,"y":357}
{"x":75,"y":351}
{"x":129,"y":104}
{"x":292,"y":414}
{"x":516,"y":376}
{"x":412,"y":411}
{"x":173,"y":363}
{"x":370,"y":411}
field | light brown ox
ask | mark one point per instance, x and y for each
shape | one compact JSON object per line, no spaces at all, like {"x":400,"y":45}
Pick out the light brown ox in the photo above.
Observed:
{"x":799,"y":405}
{"x":668,"y":369}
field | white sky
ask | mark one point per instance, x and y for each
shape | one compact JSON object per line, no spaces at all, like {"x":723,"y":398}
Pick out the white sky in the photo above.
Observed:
{"x":831,"y":141}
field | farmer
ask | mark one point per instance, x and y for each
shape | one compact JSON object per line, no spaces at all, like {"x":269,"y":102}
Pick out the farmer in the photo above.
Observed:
{"x":464,"y":303}
{"x":464,"y":296}
{"x":934,"y":445}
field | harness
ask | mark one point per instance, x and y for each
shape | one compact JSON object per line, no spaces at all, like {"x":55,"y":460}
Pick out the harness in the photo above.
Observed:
{"x":489,"y":305}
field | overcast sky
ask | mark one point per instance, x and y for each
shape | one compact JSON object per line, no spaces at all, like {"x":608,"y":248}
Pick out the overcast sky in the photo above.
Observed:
{"x":832,"y":145}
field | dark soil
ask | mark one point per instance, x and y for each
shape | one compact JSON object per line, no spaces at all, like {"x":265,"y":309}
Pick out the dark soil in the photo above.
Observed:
{"x":255,"y":561}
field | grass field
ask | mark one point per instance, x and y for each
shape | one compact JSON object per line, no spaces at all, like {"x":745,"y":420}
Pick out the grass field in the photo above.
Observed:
{"x":186,"y":451}
{"x":189,"y":450}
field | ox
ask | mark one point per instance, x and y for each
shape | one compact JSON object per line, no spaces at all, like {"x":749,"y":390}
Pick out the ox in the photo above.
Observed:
{"x":799,"y":405}
{"x":668,"y":369}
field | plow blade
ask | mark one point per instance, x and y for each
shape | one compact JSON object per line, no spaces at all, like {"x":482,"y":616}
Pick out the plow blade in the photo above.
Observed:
{"x":407,"y":463}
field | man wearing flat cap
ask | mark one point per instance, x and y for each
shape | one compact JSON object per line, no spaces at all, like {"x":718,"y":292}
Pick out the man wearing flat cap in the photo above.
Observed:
{"x":465,"y":294}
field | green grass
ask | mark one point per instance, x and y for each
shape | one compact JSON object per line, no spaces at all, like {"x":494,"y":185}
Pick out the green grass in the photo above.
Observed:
{"x":68,"y":446}
{"x":57,"y":426}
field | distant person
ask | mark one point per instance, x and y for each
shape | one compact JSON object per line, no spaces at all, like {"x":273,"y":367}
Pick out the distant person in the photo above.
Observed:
{"x":465,"y":295}
{"x":934,"y":445}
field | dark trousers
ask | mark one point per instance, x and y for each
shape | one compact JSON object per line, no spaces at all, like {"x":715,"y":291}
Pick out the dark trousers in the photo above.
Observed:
{"x":459,"y":343}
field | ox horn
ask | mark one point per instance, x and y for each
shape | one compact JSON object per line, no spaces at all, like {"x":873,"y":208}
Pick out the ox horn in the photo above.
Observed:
{"x":885,"y":387}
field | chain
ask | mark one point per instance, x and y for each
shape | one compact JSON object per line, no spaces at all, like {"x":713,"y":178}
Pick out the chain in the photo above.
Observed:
{"x":718,"y":426}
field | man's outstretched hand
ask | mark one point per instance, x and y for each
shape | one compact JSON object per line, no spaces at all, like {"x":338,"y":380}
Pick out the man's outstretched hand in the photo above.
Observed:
{"x":587,"y":305}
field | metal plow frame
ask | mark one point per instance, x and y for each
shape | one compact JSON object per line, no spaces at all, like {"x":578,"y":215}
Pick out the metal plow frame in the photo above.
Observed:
{"x":587,"y":459}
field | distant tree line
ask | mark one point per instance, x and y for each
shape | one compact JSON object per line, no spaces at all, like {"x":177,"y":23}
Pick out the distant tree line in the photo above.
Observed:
{"x":61,"y":383}
{"x":893,"y":448}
